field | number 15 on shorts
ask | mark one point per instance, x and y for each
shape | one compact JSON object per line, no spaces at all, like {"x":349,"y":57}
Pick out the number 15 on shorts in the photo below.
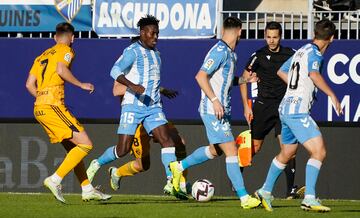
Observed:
{"x":127,"y":117}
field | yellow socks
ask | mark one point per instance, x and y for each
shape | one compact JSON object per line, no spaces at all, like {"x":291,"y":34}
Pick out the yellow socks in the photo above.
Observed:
{"x":127,"y":169}
{"x":72,"y":159}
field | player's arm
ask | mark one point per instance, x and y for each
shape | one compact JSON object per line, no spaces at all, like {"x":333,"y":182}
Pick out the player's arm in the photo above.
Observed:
{"x":31,"y":80}
{"x":283,"y":76}
{"x":249,"y":75}
{"x":248,"y":114}
{"x":284,"y":70}
{"x":65,"y":73}
{"x":203,"y":81}
{"x":323,"y":86}
{"x":121,"y":67}
{"x":118,"y":89}
{"x":31,"y":84}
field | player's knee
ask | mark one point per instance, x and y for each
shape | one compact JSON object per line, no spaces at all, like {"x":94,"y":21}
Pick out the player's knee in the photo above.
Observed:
{"x":121,"y":150}
{"x":85,"y":147}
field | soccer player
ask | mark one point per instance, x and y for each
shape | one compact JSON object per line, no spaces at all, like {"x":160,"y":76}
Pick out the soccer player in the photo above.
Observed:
{"x":141,"y":149}
{"x":46,"y":83}
{"x":271,"y":89}
{"x":302,"y":75}
{"x":215,"y":79}
{"x":138,"y":68}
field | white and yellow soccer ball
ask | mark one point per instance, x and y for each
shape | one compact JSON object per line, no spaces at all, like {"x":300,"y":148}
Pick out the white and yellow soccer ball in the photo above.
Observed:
{"x":202,"y":190}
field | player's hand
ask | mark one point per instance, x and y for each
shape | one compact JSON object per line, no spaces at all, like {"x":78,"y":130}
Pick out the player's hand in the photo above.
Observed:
{"x":337,"y":105}
{"x":252,"y":78}
{"x":169,"y":93}
{"x":138,"y":89}
{"x":248,"y":114}
{"x":218,"y":109}
{"x":88,"y":86}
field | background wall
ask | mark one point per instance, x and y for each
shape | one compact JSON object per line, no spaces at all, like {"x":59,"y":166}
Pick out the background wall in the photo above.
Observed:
{"x":26,"y":158}
{"x":181,"y":60}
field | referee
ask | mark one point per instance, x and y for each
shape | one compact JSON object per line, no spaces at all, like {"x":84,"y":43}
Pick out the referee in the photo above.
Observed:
{"x":271,"y":89}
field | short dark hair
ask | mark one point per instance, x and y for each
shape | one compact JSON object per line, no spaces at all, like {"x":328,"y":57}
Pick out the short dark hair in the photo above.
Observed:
{"x":273,"y":25}
{"x":324,"y":29}
{"x":64,"y":27}
{"x":232,"y":22}
{"x":148,"y":20}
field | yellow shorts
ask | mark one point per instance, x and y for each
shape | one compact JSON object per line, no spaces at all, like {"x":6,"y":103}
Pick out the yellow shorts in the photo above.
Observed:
{"x":57,"y":121}
{"x":141,"y":145}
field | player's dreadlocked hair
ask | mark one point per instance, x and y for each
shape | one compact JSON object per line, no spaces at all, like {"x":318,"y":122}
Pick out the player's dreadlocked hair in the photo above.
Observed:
{"x":148,"y":20}
{"x":64,"y":27}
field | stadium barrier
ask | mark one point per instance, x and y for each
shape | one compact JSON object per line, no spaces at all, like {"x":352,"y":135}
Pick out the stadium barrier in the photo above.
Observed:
{"x":27,"y":157}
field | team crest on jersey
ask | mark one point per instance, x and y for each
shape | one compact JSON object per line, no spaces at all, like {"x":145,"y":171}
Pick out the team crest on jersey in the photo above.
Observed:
{"x":68,"y":8}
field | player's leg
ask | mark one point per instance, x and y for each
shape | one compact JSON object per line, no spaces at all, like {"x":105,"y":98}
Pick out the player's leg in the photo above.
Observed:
{"x":129,"y":122}
{"x":292,"y":191}
{"x":60,"y":125}
{"x":203,"y":153}
{"x":88,"y":191}
{"x":278,"y":165}
{"x":313,"y":141}
{"x":156,"y":123}
{"x":141,"y":150}
{"x":235,"y":176}
{"x":180,"y":153}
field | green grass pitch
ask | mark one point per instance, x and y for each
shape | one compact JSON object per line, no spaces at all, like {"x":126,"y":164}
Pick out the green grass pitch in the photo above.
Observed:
{"x":44,"y":205}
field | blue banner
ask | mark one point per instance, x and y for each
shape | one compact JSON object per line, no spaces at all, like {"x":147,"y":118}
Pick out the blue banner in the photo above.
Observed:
{"x":44,"y":15}
{"x":181,"y":60}
{"x":178,"y":19}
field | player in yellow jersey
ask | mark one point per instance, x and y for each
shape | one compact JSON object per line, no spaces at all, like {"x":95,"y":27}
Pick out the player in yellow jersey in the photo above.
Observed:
{"x":46,"y":83}
{"x":141,"y":150}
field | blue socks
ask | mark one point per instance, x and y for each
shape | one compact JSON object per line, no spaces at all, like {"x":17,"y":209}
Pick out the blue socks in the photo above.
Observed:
{"x":108,"y":156}
{"x":312,"y":171}
{"x":200,"y":155}
{"x":274,"y":171}
{"x":168,"y":156}
{"x":234,"y":174}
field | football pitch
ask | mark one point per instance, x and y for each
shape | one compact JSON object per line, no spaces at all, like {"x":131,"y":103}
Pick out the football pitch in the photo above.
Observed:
{"x":44,"y":205}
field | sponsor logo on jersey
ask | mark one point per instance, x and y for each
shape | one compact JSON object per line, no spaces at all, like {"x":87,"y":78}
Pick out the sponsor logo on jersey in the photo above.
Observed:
{"x":315,"y":65}
{"x":67,"y":57}
{"x":209,"y":63}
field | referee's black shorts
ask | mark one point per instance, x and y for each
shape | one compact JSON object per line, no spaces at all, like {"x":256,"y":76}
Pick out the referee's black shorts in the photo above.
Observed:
{"x":265,"y":117}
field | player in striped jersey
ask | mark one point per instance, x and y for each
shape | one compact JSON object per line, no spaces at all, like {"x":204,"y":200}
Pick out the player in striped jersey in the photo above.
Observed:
{"x":46,"y":83}
{"x":215,"y":79}
{"x":138,"y":68}
{"x":302,"y":75}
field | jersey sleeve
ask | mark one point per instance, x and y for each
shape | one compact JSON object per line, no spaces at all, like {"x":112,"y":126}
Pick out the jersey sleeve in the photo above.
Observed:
{"x":314,"y":63}
{"x":123,"y":65}
{"x":286,"y":66}
{"x":65,"y":55}
{"x":35,"y":67}
{"x":213,"y":61}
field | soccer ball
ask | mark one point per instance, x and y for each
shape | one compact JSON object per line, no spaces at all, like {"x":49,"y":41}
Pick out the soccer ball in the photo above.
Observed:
{"x":202,"y":190}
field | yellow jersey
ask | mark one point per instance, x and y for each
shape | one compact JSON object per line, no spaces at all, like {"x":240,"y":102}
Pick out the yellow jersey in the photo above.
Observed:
{"x":50,"y":86}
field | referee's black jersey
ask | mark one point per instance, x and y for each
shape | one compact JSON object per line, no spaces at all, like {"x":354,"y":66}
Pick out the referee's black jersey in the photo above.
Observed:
{"x":266,"y":64}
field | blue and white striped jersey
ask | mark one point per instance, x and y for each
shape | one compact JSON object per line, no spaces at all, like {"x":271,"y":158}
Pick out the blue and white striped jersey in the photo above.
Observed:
{"x":219,"y":63}
{"x":141,"y":66}
{"x":301,"y":90}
